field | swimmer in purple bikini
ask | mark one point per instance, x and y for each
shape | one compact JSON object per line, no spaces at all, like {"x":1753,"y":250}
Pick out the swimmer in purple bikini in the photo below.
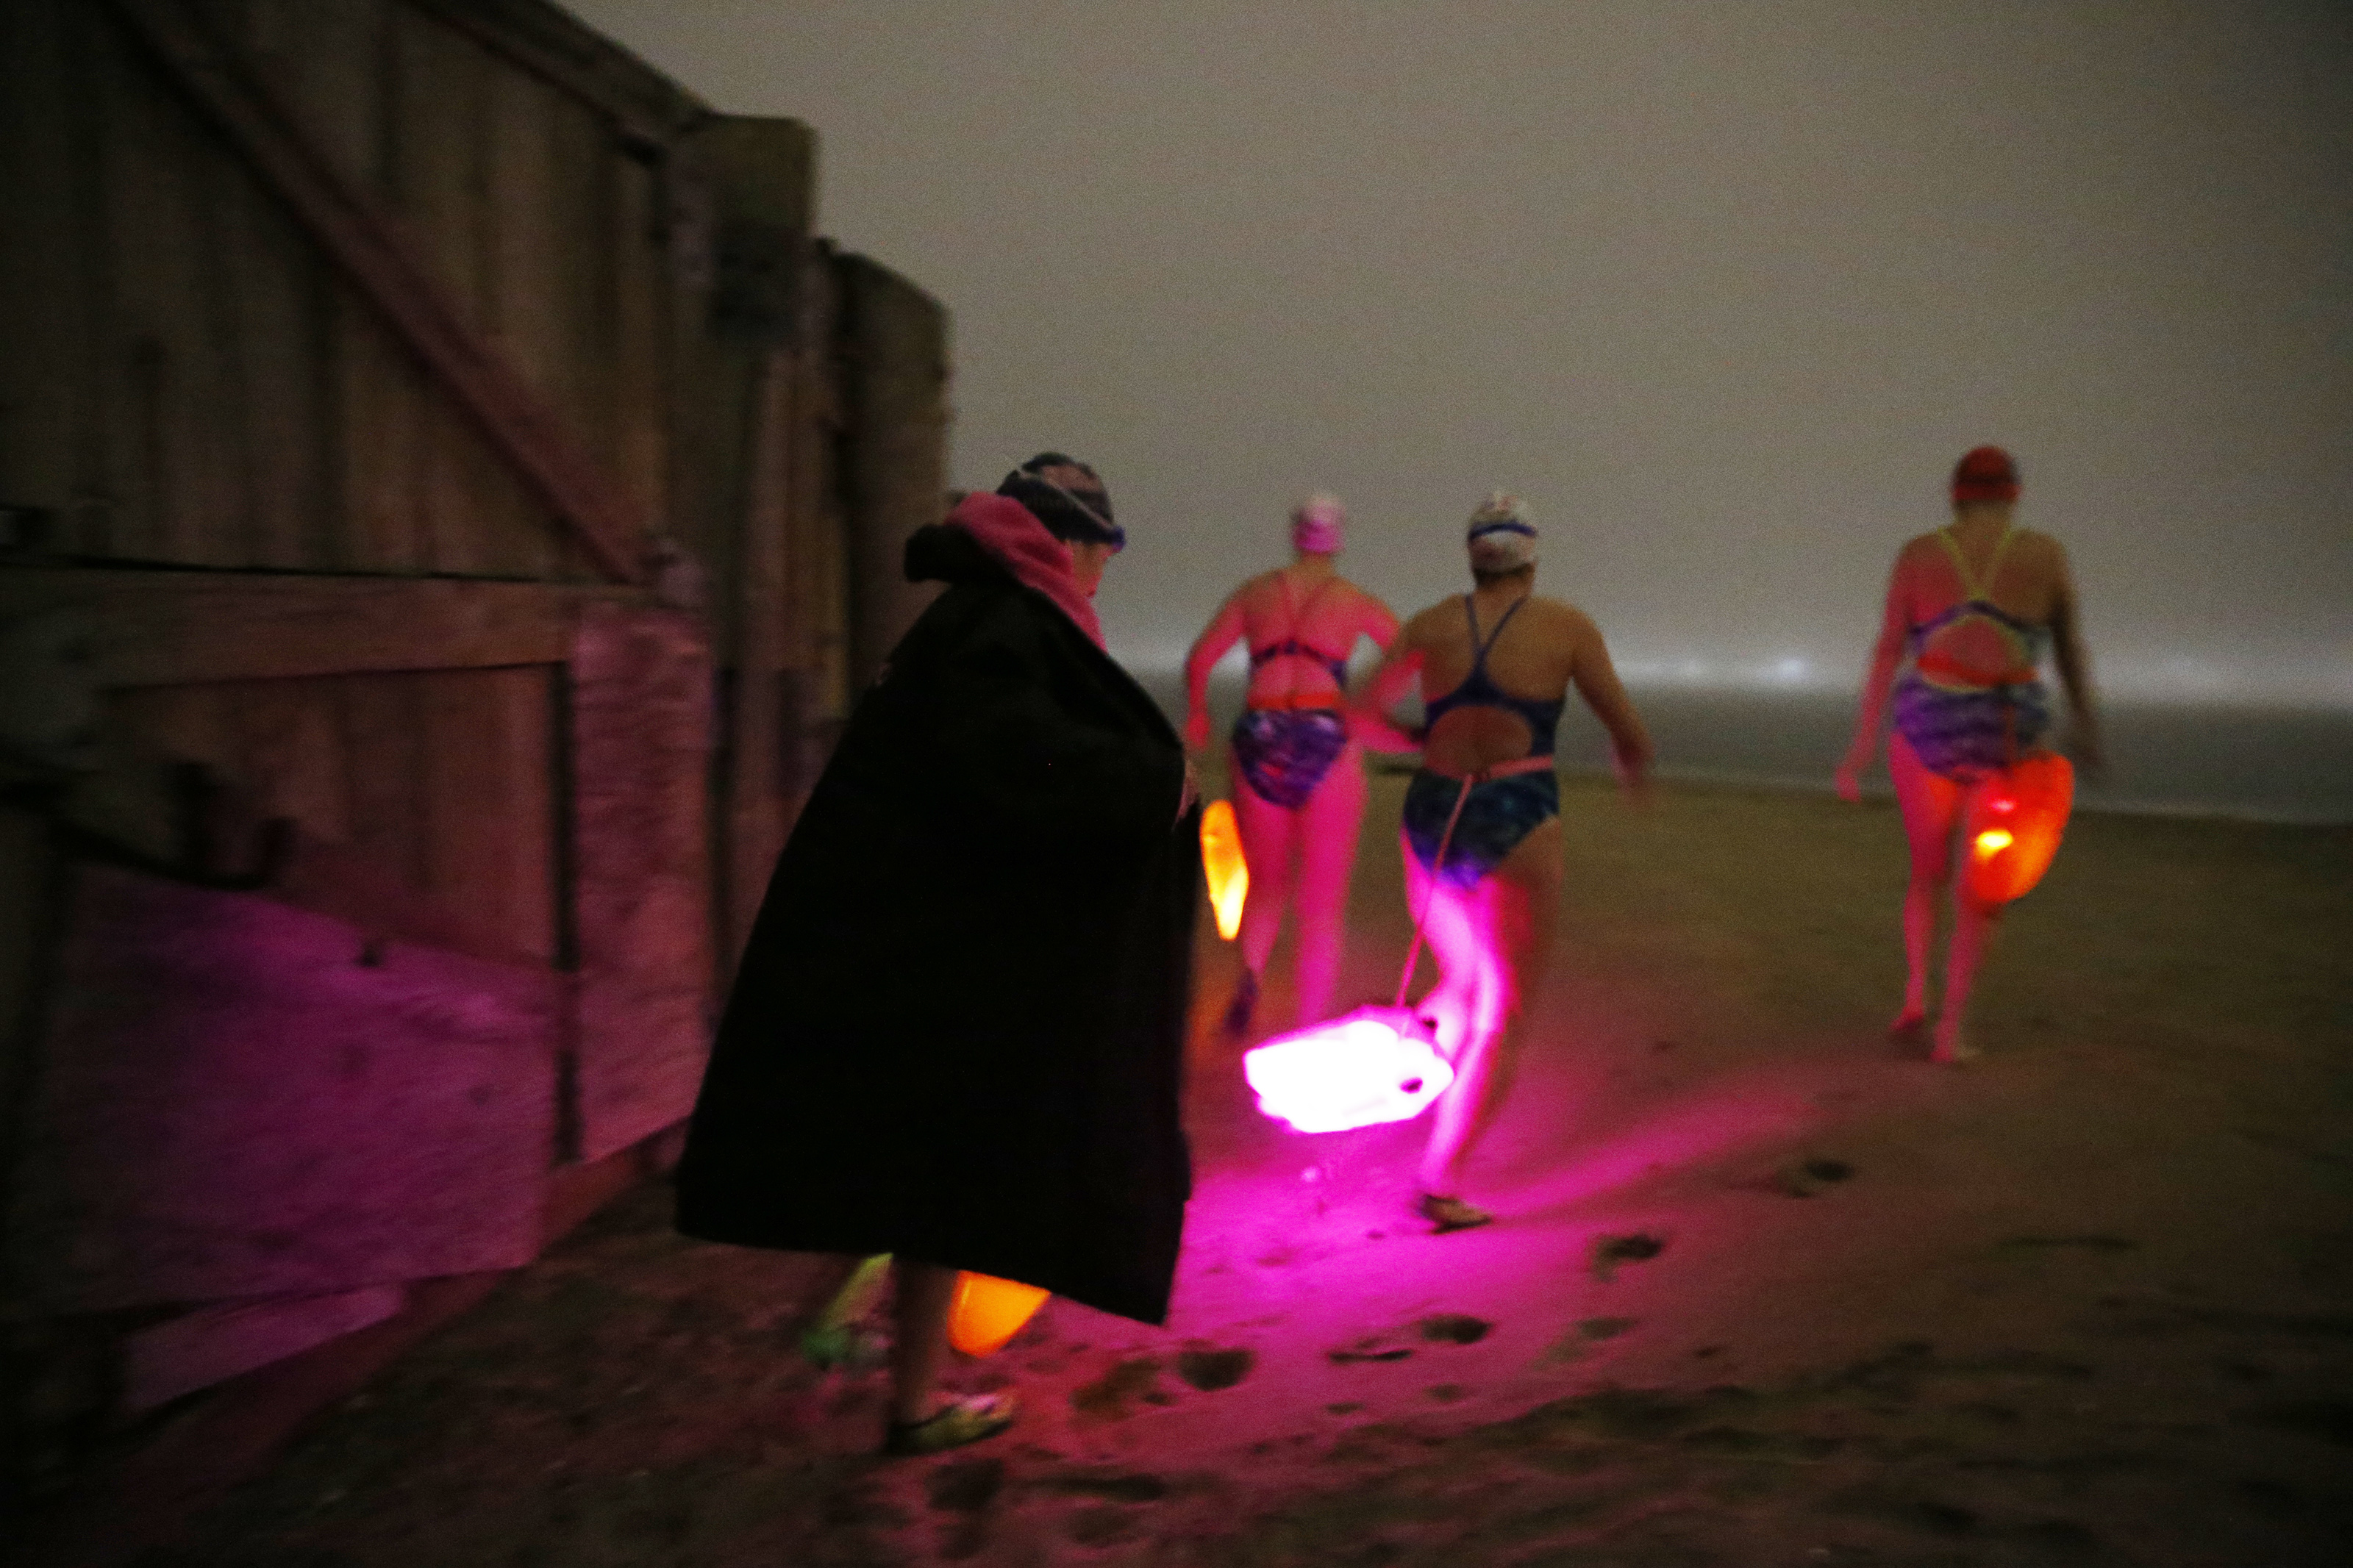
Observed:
{"x":1298,"y":778}
{"x":1495,"y":667}
{"x":1969,"y":610}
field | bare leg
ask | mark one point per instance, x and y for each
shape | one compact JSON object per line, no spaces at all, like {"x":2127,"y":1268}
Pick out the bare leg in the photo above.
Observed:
{"x":925,"y":1290}
{"x":1449,"y":940}
{"x":1327,"y":857}
{"x":1500,"y":936}
{"x":1930,"y":805}
{"x":1974,"y":925}
{"x":920,"y":1423}
{"x":1270,"y":842}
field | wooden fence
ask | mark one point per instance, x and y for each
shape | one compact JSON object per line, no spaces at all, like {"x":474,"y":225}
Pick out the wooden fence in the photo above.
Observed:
{"x":448,"y":499}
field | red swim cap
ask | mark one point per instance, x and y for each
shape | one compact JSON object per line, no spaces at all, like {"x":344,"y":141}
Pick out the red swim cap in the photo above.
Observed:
{"x":1985,"y":473}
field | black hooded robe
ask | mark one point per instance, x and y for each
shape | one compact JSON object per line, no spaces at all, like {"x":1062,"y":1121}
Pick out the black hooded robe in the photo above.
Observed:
{"x":957,"y":1032}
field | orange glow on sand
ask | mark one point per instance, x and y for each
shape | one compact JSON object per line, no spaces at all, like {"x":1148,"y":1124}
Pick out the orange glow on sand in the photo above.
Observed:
{"x":986,"y":1312}
{"x":1221,"y":859}
{"x":2014,"y":822}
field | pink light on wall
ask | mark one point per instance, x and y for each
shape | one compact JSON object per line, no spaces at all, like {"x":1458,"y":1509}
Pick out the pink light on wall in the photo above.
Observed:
{"x":1371,"y":1066}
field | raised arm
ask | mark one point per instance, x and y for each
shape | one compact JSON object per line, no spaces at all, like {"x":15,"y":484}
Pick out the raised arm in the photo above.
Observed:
{"x":1595,"y":678}
{"x":1871,"y":712}
{"x":1224,"y":629}
{"x":1374,"y":620}
{"x":2074,"y":670}
{"x":1368,"y":715}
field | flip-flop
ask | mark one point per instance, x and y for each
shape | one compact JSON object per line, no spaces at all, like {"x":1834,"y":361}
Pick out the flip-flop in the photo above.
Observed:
{"x":959,"y":1422}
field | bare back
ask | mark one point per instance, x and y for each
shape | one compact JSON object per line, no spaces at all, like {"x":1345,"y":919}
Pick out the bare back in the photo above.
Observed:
{"x":2023,"y":576}
{"x":1543,"y":649}
{"x":1305,"y":604}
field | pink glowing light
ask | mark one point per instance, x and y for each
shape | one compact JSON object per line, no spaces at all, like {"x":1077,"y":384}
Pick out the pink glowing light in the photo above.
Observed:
{"x":1371,"y":1066}
{"x":1222,"y":862}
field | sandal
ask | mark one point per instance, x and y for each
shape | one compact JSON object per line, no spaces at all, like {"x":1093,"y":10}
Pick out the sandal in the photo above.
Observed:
{"x":959,"y":1422}
{"x":1445,"y":1214}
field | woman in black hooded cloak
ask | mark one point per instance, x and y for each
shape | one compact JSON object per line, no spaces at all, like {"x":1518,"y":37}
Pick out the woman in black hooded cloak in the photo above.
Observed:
{"x":956,"y":1034}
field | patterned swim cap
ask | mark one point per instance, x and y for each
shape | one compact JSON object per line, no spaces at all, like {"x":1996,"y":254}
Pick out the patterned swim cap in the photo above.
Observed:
{"x":1080,"y":511}
{"x":1317,"y":525}
{"x":1500,"y":536}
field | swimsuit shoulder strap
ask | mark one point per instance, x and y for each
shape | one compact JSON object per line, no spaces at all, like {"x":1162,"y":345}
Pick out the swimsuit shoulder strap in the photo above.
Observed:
{"x":1960,"y":563}
{"x":1299,"y":616}
{"x":1993,"y":567}
{"x":1501,"y":622}
{"x":1274,"y":647}
{"x":1974,"y":589}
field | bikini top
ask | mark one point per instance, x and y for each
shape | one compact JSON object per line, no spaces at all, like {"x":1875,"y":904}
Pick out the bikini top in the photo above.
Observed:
{"x":2022,"y":639}
{"x":1337,"y":665}
{"x":1479,"y":688}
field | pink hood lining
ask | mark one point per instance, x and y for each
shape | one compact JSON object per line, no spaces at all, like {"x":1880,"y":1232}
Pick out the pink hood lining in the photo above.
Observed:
{"x":1018,"y":542}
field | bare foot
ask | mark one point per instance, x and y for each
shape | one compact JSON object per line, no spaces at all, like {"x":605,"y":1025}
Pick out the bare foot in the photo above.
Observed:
{"x":1950,"y":1048}
{"x":1445,"y":1214}
{"x":1908,"y":1026}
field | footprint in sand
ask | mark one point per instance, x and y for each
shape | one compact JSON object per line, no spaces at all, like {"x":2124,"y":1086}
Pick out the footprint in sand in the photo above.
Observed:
{"x":1454,"y":1328}
{"x":1587,"y":1331}
{"x":965,"y":1487}
{"x":1610,"y":1251}
{"x":1372,"y":1347}
{"x":1209,"y":1369}
{"x":1106,"y":1397}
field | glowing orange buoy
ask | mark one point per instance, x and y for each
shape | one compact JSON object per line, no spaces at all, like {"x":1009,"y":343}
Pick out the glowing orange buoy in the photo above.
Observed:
{"x":986,"y":1312}
{"x":2013,"y":824}
{"x":1221,"y":859}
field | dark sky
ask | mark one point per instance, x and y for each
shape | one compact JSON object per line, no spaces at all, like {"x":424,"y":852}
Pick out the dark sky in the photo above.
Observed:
{"x":1721,"y":287}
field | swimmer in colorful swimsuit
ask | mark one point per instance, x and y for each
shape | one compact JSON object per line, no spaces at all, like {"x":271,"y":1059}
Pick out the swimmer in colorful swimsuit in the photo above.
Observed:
{"x":1969,"y":610}
{"x":1298,"y":778}
{"x":1495,"y":667}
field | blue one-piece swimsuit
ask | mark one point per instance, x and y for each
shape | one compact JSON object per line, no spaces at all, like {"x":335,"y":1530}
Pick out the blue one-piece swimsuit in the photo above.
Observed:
{"x":1499,"y":812}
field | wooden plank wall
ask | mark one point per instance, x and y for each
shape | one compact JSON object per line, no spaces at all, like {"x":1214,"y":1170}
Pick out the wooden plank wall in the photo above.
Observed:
{"x":445,"y":777}
{"x":253,"y":1101}
{"x":894,"y":383}
{"x":187,"y":379}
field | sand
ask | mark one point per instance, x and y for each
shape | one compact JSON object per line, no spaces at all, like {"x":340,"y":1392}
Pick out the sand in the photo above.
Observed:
{"x":1763,"y":1289}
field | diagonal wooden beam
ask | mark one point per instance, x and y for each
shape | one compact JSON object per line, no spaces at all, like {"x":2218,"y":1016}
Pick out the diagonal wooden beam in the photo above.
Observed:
{"x":370,"y":248}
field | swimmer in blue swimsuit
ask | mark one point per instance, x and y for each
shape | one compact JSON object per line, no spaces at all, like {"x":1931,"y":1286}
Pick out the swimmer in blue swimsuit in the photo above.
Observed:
{"x":1498,"y":811}
{"x":1970,"y":610}
{"x":1298,"y":779}
{"x":1481,"y":835}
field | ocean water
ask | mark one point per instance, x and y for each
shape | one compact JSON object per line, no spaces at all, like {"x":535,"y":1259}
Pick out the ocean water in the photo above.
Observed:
{"x":2199,"y":759}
